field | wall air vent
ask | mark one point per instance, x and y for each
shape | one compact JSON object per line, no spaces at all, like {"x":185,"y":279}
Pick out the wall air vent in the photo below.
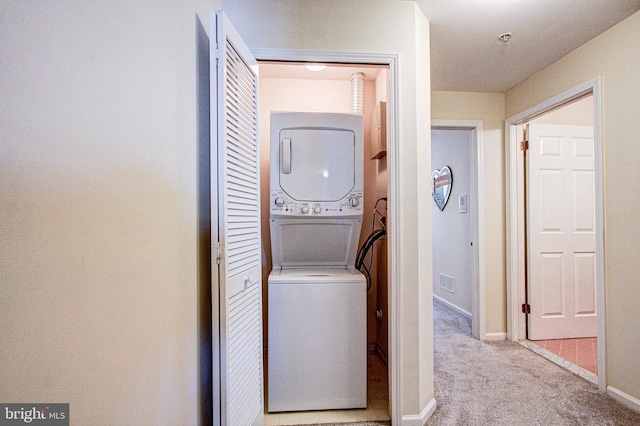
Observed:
{"x":446,"y":283}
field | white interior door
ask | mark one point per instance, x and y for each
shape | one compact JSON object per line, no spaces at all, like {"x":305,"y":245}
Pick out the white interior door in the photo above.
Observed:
{"x":561,"y":232}
{"x":234,"y":122}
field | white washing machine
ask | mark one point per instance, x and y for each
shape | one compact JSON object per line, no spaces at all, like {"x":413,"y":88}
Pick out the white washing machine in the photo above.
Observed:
{"x":317,"y":348}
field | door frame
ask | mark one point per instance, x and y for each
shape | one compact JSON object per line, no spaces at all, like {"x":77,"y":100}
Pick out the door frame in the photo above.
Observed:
{"x":516,"y":321}
{"x":393,"y":145}
{"x":478,"y":303}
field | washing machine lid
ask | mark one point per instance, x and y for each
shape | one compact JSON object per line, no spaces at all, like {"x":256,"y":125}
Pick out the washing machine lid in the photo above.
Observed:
{"x":321,"y":275}
{"x":298,"y":242}
{"x":317,"y":272}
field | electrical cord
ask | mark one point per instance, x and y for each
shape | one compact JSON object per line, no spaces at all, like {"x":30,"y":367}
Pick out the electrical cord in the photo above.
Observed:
{"x":368,"y":244}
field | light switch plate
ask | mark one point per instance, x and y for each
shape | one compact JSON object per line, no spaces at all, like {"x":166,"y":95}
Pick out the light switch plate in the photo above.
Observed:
{"x":462,"y":204}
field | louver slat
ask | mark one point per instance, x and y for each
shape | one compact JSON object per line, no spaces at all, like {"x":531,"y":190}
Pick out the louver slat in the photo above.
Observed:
{"x":242,"y":210}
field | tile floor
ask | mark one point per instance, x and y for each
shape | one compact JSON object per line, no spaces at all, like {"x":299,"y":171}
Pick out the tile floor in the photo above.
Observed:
{"x":582,"y":352}
{"x":377,"y":404}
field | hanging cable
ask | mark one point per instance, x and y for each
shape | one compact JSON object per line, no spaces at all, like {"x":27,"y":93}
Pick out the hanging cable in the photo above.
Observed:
{"x":369,"y":243}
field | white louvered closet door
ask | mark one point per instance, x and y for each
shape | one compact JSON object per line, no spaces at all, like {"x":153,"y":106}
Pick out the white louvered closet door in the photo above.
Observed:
{"x":235,"y":124}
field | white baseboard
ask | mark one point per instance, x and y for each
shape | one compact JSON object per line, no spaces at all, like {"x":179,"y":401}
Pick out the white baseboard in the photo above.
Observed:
{"x":495,"y":337}
{"x":420,"y":419}
{"x":624,"y":398}
{"x":451,"y":305}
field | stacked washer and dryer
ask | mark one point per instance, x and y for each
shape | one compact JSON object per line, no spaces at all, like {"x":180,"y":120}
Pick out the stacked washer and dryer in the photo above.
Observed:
{"x":316,"y":297}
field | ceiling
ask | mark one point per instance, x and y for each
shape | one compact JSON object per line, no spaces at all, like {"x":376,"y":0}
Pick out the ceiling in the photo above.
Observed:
{"x":466,"y":54}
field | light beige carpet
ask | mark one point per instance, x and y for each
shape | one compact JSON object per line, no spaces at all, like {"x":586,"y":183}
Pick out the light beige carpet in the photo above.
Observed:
{"x":504,"y":383}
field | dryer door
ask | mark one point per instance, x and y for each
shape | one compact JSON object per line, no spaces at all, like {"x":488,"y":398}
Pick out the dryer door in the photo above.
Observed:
{"x":317,"y":165}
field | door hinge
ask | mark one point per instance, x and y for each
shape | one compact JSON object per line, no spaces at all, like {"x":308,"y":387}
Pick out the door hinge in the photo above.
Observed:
{"x":217,"y":253}
{"x":526,"y":308}
{"x":215,"y":52}
{"x":524,"y":144}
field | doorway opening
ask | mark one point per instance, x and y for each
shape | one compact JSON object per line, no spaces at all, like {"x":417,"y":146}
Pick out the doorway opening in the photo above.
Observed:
{"x":561,"y":146}
{"x":458,"y":243}
{"x":554,"y":233}
{"x":290,"y":86}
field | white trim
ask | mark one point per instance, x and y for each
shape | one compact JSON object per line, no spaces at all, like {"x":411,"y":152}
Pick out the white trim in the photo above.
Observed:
{"x":515,"y":214}
{"x":496,"y":337}
{"x":624,"y":398}
{"x":420,"y":419}
{"x":555,"y":102}
{"x":393,"y":148}
{"x":292,"y":55}
{"x":600,"y":287}
{"x":514,"y":247}
{"x":478,"y":307}
{"x":438,"y":299}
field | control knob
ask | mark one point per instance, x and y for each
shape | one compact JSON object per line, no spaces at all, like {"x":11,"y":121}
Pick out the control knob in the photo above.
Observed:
{"x":279,"y":201}
{"x":353,"y":202}
{"x":317,"y":209}
{"x":305,"y":209}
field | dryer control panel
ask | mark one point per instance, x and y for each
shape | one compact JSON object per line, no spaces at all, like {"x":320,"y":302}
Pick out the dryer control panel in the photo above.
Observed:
{"x":283,"y":205}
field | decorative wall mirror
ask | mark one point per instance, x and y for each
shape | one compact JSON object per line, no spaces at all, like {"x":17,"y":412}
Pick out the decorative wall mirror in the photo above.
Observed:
{"x":441,"y":182}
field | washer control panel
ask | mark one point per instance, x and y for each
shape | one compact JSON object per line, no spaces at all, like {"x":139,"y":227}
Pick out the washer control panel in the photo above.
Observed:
{"x":282,"y":204}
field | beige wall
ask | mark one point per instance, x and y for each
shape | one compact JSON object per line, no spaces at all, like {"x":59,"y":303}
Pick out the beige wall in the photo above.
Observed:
{"x":98,"y":207}
{"x":614,"y":55}
{"x":489,"y":108}
{"x":364,"y":26}
{"x":578,"y":113}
